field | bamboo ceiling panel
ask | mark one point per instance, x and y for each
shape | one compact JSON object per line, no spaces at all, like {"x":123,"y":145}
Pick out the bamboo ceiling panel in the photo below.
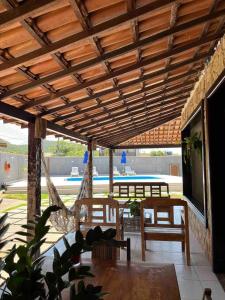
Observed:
{"x":166,"y":134}
{"x":105,"y":69}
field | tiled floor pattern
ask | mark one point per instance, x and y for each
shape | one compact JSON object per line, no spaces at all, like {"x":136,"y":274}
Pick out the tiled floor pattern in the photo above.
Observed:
{"x":192,"y":280}
{"x":16,"y":219}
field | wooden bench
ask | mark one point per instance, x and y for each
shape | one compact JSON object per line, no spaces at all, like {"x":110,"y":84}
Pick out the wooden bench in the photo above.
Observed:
{"x":140,"y":189}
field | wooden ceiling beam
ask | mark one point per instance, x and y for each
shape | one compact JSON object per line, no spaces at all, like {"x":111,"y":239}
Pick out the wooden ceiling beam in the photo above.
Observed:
{"x":140,"y":114}
{"x":30,"y":25}
{"x":71,"y":70}
{"x":122,"y":86}
{"x":121,"y":136}
{"x":137,"y":120}
{"x":128,"y":84}
{"x":24,"y":10}
{"x":141,"y":98}
{"x":123,"y":130}
{"x":81,"y":36}
{"x":151,"y":105}
{"x":132,"y":94}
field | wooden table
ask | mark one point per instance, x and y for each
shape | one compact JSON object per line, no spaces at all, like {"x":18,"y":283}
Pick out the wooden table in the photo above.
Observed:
{"x":135,"y":281}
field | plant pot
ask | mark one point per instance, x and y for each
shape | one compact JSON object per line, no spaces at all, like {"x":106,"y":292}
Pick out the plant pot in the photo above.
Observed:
{"x":104,"y":252}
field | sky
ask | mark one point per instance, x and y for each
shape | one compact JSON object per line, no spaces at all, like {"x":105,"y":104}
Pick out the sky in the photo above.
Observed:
{"x":18,"y":136}
{"x":13,"y":133}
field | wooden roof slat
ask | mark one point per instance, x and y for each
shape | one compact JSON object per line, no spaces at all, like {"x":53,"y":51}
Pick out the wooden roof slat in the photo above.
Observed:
{"x":114,"y":89}
{"x":120,"y":137}
{"x":118,"y":100}
{"x":127,"y":121}
{"x":138,"y":121}
{"x":170,"y":135}
{"x":102,"y":27}
{"x":23,"y":11}
{"x":145,"y":77}
{"x":149,"y":104}
{"x":114,"y":101}
{"x":103,"y":57}
{"x":106,"y":83}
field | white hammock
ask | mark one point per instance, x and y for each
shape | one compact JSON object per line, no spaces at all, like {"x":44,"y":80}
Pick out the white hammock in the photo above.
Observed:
{"x":63,"y":220}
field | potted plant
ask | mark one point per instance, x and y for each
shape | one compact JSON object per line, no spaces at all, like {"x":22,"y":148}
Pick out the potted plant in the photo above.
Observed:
{"x":133,"y":223}
{"x":192,"y":143}
{"x":27,"y":280}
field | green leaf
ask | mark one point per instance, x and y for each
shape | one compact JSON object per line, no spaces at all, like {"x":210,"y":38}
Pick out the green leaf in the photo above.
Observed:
{"x":2,"y":244}
{"x":21,"y":240}
{"x":3,"y":230}
{"x":66,"y":243}
{"x":79,"y":236}
{"x":36,"y":247}
{"x":29,"y":227}
{"x":24,"y":233}
{"x":3,"y":219}
{"x":39,"y":261}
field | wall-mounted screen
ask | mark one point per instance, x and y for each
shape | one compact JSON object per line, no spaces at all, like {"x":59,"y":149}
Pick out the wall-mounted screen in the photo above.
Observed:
{"x":193,"y":166}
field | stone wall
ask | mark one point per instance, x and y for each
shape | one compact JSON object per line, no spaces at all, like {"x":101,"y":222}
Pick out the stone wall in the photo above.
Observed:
{"x":202,"y":233}
{"x":206,"y":81}
{"x":210,"y":75}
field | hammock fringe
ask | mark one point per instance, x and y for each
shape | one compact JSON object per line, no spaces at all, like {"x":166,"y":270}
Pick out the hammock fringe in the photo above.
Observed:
{"x":63,"y":220}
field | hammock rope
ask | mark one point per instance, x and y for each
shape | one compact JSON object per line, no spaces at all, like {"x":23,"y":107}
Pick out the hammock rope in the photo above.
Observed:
{"x":63,"y":220}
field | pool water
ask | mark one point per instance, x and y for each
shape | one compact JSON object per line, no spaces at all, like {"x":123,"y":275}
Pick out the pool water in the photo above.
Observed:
{"x":124,"y":178}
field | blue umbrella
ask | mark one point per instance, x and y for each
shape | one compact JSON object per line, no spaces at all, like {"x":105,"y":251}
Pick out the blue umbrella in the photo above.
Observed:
{"x":123,"y":158}
{"x":85,"y":159}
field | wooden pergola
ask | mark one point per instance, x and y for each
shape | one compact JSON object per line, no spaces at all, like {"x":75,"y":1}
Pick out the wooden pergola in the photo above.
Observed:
{"x":101,"y":71}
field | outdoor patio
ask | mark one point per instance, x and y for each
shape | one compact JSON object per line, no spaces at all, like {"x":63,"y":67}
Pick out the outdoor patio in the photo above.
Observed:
{"x":119,"y":75}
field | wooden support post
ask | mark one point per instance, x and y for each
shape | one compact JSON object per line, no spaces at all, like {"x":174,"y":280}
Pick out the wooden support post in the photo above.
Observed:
{"x":90,"y":170}
{"x":110,"y":171}
{"x":34,"y":174}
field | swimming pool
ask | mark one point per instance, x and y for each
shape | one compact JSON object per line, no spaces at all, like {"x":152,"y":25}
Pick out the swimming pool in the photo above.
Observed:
{"x":123,"y":178}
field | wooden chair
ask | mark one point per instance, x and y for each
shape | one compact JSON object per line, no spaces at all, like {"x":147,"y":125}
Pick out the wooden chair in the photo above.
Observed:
{"x":102,"y":212}
{"x":207,"y":294}
{"x":165,"y":230}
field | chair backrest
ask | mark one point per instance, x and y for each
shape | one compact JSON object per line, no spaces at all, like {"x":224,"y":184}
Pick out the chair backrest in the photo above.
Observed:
{"x":140,"y":189}
{"x":128,"y":168}
{"x":98,"y":212}
{"x":115,"y":168}
{"x":160,"y":205}
{"x":94,"y":169}
{"x":75,"y":169}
